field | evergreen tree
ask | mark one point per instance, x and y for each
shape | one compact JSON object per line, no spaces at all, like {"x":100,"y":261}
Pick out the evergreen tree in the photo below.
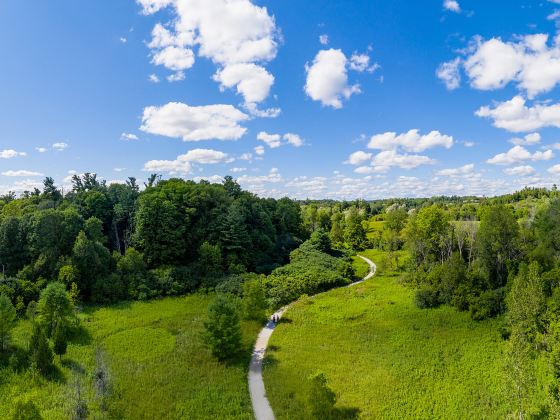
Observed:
{"x":60,"y":341}
{"x":223,"y":328}
{"x":55,"y":307}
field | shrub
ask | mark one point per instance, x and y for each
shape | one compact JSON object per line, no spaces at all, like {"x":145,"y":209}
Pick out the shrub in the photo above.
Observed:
{"x":427,"y":298}
{"x":40,"y":354}
{"x":490,"y":303}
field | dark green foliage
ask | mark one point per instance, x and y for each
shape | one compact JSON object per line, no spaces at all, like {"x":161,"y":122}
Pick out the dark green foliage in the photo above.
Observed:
{"x":60,"y":340}
{"x":223,"y":328}
{"x":497,"y":243}
{"x":92,"y":261}
{"x":488,"y":304}
{"x":354,"y":232}
{"x":7,"y":321}
{"x":427,"y":297}
{"x":321,"y":399}
{"x":310,"y":271}
{"x":40,"y":353}
{"x":210,"y":260}
{"x":25,"y":409}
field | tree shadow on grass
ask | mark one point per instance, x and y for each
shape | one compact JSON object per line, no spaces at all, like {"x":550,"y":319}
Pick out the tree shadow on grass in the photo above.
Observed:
{"x":73,"y":366}
{"x":80,"y":335}
{"x":345,"y":413}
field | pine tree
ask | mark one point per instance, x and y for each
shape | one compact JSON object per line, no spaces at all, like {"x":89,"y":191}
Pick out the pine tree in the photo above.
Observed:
{"x":60,"y":341}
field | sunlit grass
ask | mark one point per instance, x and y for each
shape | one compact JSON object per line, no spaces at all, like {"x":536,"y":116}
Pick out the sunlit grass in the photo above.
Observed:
{"x":384,"y":357}
{"x":159,"y":366}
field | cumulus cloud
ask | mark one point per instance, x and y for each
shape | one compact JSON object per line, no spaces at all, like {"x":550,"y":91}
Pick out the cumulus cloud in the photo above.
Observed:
{"x":194,"y":123}
{"x":327,"y":79}
{"x":387,"y":159}
{"x":273,"y":176}
{"x":530,"y":61}
{"x":463,"y":170}
{"x":555,"y":170}
{"x":183,"y":163}
{"x":41,"y":149}
{"x":21,"y":173}
{"x":259,"y":150}
{"x":452,"y":6}
{"x":153,"y":78}
{"x":10,"y":153}
{"x":449,"y":73}
{"x":358,"y":158}
{"x":238,"y":36}
{"x":515,"y":116}
{"x":519,"y":154}
{"x":276,"y":140}
{"x":411,"y":141}
{"x":523,"y":170}
{"x":361,"y":63}
{"x":324,"y":39}
{"x":529,"y":140}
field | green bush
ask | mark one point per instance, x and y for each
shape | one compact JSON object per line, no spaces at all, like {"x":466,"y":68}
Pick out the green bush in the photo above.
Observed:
{"x":490,"y":303}
{"x":427,"y":298}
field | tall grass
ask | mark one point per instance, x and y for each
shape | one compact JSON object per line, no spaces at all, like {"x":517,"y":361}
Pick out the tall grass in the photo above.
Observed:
{"x":158,"y":366}
{"x":384,"y":357}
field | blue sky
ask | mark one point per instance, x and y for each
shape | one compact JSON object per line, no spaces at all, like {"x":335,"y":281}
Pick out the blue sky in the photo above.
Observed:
{"x":314,"y":99}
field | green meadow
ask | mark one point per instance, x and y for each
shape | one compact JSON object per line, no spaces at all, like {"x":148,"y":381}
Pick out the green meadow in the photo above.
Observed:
{"x":385,"y":358}
{"x":158,"y":366}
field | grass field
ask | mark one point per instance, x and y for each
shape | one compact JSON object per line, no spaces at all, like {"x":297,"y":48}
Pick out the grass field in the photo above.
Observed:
{"x":159,"y":367}
{"x":385,"y":358}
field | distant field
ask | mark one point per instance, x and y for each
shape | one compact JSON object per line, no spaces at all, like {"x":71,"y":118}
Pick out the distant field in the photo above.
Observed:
{"x":158,"y":366}
{"x":374,"y":228}
{"x":385,"y":358}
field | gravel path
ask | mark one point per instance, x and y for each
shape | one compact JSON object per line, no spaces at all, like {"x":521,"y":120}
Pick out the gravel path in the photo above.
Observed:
{"x":261,"y":406}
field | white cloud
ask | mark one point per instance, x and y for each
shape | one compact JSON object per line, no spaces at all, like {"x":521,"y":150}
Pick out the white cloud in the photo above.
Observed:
{"x":452,"y":6}
{"x":183,"y":163}
{"x":360,"y":63}
{"x":411,"y":141}
{"x":119,"y":169}
{"x":129,"y":137}
{"x":272,"y":177}
{"x":153,"y":78}
{"x":10,"y":153}
{"x":515,"y":116}
{"x":519,"y":154}
{"x":523,"y":170}
{"x":60,"y":146}
{"x":554,"y":169}
{"x":529,"y":140}
{"x":238,"y":36}
{"x":123,"y":40}
{"x":358,"y":158}
{"x":275,"y":140}
{"x":293,"y":139}
{"x":41,"y":149}
{"x":390,"y":158}
{"x":246,"y":156}
{"x":449,"y":73}
{"x":463,"y":170}
{"x":530,"y":61}
{"x":194,"y":123}
{"x":272,"y":140}
{"x":327,"y":79}
{"x":253,"y":82}
{"x":176,"y":77}
{"x":237,"y":170}
{"x":324,"y":39}
{"x":259,"y":150}
{"x":21,"y":173}
{"x":174,"y":58}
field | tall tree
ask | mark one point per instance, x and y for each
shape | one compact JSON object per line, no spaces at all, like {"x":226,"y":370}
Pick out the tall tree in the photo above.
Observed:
{"x":223,"y":328}
{"x":7,"y":321}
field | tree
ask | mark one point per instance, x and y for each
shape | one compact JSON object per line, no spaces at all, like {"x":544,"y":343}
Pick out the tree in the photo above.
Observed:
{"x":321,"y":398}
{"x":223,"y":328}
{"x":92,"y":260}
{"x":13,"y":253}
{"x":497,"y":242}
{"x":427,"y":233}
{"x":40,"y":354}
{"x":55,"y":307}
{"x":354,"y":232}
{"x":25,"y":409}
{"x":7,"y":321}
{"x":254,"y":300}
{"x":60,"y":341}
{"x":210,"y":260}
{"x":395,"y":220}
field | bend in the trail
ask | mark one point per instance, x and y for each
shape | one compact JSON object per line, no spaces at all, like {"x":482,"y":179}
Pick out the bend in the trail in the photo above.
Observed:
{"x":261,"y":405}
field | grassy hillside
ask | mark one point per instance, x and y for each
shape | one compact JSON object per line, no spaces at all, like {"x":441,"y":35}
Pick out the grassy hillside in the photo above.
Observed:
{"x":384,"y":357}
{"x":158,"y":366}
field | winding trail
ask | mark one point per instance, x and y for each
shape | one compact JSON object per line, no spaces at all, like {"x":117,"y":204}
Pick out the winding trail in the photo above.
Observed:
{"x":261,"y":405}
